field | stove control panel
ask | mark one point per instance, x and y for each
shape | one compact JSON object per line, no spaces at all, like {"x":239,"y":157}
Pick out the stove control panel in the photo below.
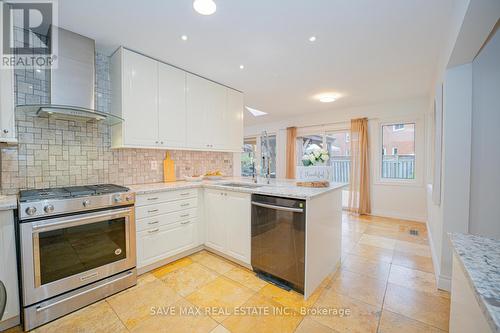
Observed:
{"x":42,"y":208}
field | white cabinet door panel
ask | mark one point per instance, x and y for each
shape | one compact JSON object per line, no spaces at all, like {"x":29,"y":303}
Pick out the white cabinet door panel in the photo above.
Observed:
{"x":237,"y":220}
{"x":197,"y":106}
{"x":215,"y":220}
{"x":163,"y":242}
{"x":234,"y":120}
{"x":140,"y":99}
{"x":171,"y":106}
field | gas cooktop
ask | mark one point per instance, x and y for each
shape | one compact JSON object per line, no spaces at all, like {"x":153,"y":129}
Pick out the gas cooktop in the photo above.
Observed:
{"x":69,"y":192}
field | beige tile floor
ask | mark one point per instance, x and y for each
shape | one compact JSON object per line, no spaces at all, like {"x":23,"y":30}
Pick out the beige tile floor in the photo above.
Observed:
{"x":385,"y":284}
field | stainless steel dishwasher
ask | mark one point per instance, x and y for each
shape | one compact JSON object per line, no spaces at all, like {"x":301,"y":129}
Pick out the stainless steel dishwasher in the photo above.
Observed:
{"x":278,"y":240}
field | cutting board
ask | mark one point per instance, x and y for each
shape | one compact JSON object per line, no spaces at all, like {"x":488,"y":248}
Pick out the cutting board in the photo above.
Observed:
{"x":321,"y":183}
{"x":168,"y":169}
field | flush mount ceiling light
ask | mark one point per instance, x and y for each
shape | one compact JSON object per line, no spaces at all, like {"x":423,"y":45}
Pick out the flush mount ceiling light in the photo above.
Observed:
{"x":255,"y":112}
{"x":184,"y":37}
{"x":242,"y":67}
{"x":327,"y":97}
{"x":205,"y":7}
{"x":312,"y":38}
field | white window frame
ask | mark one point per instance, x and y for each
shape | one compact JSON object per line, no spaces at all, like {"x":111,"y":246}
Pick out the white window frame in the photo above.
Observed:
{"x":395,"y":150}
{"x":419,"y":151}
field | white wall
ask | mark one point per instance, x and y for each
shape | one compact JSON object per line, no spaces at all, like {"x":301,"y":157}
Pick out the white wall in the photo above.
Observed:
{"x":406,"y":201}
{"x":485,"y":161}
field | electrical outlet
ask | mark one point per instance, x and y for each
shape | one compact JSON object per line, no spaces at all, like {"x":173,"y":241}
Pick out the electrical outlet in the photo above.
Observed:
{"x":154,"y":165}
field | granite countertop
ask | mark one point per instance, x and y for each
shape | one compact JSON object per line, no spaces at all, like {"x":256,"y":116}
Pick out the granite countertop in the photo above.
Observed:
{"x":480,"y":258}
{"x":281,"y":188}
{"x":8,"y":202}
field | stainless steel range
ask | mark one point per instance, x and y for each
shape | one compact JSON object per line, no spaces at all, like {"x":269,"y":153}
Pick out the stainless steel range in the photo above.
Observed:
{"x":76,"y":245}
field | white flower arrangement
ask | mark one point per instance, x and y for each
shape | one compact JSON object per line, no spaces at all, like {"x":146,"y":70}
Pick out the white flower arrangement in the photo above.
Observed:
{"x":315,"y":157}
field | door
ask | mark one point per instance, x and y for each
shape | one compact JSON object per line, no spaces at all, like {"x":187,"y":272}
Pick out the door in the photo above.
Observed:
{"x":237,"y":221}
{"x":234,"y":120}
{"x":205,"y":112}
{"x":197,"y":114}
{"x":62,"y":254}
{"x":215,"y":215}
{"x":171,"y":106}
{"x":278,"y":238}
{"x":165,"y":241}
{"x":140,"y":100}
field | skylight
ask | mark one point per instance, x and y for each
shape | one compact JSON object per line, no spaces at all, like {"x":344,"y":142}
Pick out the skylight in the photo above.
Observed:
{"x":255,"y":112}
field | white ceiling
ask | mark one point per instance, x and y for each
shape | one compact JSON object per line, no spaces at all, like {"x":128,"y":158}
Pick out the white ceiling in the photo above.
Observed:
{"x":369,"y":51}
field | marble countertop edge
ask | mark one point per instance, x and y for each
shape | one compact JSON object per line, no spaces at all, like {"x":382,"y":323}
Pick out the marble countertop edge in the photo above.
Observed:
{"x":8,"y":202}
{"x":465,"y":246}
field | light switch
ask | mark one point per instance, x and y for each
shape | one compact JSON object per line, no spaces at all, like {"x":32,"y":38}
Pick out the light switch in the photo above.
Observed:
{"x":154,"y":165}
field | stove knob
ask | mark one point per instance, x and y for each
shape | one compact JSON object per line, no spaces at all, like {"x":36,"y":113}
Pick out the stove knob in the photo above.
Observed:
{"x":86,"y":203}
{"x":49,"y":209}
{"x":31,"y":210}
{"x":117,"y":199}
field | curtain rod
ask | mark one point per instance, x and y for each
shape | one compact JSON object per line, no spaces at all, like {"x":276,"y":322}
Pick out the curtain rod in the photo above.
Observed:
{"x":332,"y":123}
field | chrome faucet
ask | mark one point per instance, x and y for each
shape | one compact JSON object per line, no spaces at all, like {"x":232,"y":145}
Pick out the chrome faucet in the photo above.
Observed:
{"x":266,"y":156}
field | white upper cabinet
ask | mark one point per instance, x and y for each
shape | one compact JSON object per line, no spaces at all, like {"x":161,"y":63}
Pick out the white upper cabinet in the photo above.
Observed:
{"x":166,"y":107}
{"x":140,"y":99}
{"x":7,"y":117}
{"x":206,"y":111}
{"x":171,"y":106}
{"x":233,"y":118}
{"x":134,"y":80}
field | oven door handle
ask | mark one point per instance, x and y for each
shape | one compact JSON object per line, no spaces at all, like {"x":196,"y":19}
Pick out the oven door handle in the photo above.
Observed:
{"x":80,"y":220}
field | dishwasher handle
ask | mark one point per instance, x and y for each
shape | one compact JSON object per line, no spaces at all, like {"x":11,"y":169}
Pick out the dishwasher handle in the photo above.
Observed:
{"x":286,"y":209}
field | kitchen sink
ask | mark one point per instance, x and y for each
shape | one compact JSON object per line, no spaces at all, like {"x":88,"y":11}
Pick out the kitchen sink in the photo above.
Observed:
{"x":243,"y":185}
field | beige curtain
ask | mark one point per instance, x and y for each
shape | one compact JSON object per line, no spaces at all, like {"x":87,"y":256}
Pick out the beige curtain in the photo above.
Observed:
{"x":359,"y":187}
{"x":291,"y":152}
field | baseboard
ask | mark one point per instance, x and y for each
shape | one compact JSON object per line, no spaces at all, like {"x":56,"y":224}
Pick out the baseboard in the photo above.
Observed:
{"x":443,"y":282}
{"x":393,"y":215}
{"x":163,"y":262}
{"x":9,"y":323}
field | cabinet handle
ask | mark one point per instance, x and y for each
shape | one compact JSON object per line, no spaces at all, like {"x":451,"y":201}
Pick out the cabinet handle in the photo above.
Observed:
{"x":154,"y":222}
{"x":6,"y":131}
{"x":185,"y":222}
{"x":157,"y":142}
{"x":184,"y":194}
{"x":185,"y":215}
{"x":185,"y":205}
{"x":152,"y":211}
{"x":155,"y":198}
{"x":161,"y":142}
{"x":154,"y":230}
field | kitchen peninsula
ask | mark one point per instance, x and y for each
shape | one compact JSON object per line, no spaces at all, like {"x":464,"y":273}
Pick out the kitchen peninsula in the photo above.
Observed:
{"x":176,"y":219}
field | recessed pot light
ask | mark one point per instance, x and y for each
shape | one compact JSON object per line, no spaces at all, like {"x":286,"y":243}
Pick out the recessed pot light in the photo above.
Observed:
{"x":242,"y":67}
{"x":184,"y":37}
{"x":312,"y":38}
{"x":205,"y":7}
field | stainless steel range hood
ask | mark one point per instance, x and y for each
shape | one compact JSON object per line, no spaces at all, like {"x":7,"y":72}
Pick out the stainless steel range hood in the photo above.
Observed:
{"x":72,"y":83}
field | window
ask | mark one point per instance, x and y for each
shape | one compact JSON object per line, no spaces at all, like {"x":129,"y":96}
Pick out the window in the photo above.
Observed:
{"x":252,"y":156}
{"x":336,"y":168}
{"x":399,"y":139}
{"x":398,"y":127}
{"x":248,"y":156}
{"x":271,"y":153}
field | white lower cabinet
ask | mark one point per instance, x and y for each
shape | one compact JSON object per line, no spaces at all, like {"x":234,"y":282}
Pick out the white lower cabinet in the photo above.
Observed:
{"x":165,"y":241}
{"x":167,"y":224}
{"x":227,"y":218}
{"x":170,"y":223}
{"x":8,"y":269}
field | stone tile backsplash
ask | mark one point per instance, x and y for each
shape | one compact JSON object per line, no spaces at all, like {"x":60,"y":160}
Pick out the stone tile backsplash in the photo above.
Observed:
{"x":54,"y":152}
